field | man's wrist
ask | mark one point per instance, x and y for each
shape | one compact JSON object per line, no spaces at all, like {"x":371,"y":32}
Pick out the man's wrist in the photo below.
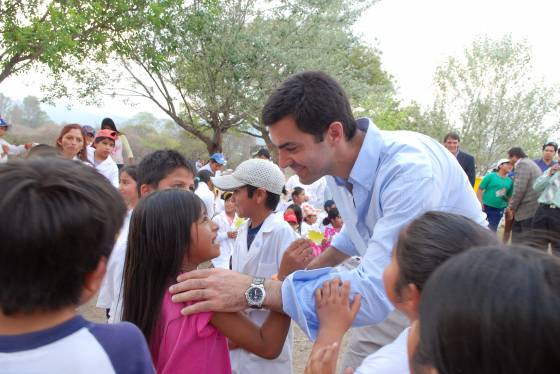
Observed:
{"x":273,"y":298}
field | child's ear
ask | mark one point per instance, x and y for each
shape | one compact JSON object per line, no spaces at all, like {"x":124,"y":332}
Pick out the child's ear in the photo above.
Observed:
{"x":93,"y":280}
{"x":410,"y":301}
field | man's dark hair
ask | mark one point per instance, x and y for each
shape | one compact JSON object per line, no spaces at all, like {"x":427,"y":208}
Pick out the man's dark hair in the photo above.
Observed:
{"x":157,"y":165}
{"x":451,"y":135}
{"x":551,"y":144}
{"x":59,"y":219}
{"x":517,"y":152}
{"x":272,"y":199}
{"x":314,"y":100}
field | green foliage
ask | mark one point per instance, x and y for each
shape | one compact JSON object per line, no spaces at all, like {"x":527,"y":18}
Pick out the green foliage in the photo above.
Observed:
{"x":491,"y":98}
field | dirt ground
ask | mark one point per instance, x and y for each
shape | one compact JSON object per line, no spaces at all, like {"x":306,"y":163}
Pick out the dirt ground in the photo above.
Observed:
{"x":302,"y":345}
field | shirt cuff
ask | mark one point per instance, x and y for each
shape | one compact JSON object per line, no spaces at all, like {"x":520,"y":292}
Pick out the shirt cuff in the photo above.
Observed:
{"x":344,"y":244}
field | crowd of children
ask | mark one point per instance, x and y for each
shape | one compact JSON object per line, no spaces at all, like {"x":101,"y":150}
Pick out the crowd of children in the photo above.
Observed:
{"x":474,"y":306}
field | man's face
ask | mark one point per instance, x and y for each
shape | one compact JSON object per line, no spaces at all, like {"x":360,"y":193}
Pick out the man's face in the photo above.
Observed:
{"x":513,"y":160}
{"x":309,"y":159}
{"x":3,"y":130}
{"x":180,"y":178}
{"x":548,"y":153}
{"x":452,"y":145}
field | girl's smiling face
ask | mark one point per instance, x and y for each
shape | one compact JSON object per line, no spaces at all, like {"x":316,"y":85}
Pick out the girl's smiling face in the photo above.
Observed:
{"x":203,"y":246}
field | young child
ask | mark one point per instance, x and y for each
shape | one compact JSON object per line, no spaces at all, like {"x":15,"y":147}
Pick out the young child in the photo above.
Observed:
{"x":491,"y":310}
{"x":257,"y":185}
{"x":57,"y":232}
{"x":332,"y":224}
{"x":158,"y":170}
{"x":296,"y":211}
{"x":100,"y":155}
{"x":309,"y":219}
{"x":227,"y":232}
{"x":170,"y":233}
{"x":128,"y":186}
{"x":298,"y":196}
{"x":423,"y":245}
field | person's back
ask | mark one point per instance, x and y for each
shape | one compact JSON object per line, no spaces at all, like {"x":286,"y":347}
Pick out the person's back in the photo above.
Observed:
{"x":63,"y":206}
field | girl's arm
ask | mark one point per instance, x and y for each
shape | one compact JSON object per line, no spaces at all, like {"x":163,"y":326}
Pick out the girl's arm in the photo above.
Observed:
{"x":265,"y":341}
{"x":336,"y":314}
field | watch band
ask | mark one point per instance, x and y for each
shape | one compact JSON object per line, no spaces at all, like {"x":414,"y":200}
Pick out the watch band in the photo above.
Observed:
{"x":258,"y":281}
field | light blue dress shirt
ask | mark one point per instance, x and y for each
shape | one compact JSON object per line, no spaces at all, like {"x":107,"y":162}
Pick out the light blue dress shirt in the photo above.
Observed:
{"x":398,"y":175}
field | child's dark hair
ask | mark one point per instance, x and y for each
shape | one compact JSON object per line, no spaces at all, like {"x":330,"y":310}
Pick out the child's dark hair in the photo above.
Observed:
{"x":108,"y":122}
{"x":298,"y":212}
{"x":204,"y":176}
{"x":272,"y":199}
{"x":131,"y":170}
{"x":43,"y":151}
{"x":157,"y":165}
{"x":430,"y":240}
{"x":491,"y":310}
{"x":331,"y":216}
{"x":59,"y":218}
{"x":159,"y":237}
{"x":227,"y":195}
{"x":297,"y":191}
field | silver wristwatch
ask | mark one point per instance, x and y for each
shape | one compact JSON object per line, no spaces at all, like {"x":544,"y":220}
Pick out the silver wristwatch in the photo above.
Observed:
{"x":255,"y":294}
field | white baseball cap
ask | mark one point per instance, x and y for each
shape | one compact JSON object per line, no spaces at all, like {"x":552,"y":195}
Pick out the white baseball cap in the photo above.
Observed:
{"x":502,"y":161}
{"x":254,"y":172}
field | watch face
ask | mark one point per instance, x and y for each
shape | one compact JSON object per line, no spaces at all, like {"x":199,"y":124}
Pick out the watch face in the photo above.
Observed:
{"x":255,"y":294}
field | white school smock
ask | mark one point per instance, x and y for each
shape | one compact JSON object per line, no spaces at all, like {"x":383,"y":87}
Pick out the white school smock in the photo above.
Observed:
{"x":108,"y":168}
{"x":207,"y":197}
{"x":226,"y":244}
{"x":263,"y":260}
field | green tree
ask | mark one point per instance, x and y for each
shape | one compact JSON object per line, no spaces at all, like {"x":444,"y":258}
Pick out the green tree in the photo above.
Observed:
{"x":492,"y":99}
{"x":63,"y":34}
{"x":33,"y":115}
{"x":210,"y":65}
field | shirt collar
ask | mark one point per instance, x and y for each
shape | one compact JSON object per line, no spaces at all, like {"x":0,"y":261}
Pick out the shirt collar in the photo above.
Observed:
{"x":368,"y":157}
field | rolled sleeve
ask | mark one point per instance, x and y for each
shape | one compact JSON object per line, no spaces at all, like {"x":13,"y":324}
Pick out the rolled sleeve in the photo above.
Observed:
{"x":342,"y":242}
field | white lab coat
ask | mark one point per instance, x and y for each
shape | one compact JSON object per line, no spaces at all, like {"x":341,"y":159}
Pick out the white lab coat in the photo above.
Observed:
{"x":207,"y":197}
{"x":226,"y":244}
{"x":263,"y":260}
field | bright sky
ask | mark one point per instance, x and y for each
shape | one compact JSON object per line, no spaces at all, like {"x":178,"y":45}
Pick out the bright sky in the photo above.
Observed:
{"x":415,"y":36}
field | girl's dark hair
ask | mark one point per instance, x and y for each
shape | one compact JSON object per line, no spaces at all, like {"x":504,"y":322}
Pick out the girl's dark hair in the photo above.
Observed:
{"x":333,"y":213}
{"x":491,"y":310}
{"x":159,"y":238}
{"x":227,"y":195}
{"x":298,"y":212}
{"x":82,"y":155}
{"x":108,"y":122}
{"x":130,"y":170}
{"x":430,"y":240}
{"x":297,"y":191}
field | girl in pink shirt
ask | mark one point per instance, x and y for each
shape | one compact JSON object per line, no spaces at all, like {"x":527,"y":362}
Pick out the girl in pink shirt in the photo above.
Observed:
{"x":170,"y":233}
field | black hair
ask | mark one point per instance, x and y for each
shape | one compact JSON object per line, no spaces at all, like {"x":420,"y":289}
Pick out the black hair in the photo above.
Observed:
{"x":157,"y":165}
{"x":451,"y":135}
{"x":263,"y":152}
{"x":331,"y":216}
{"x":297,"y":191}
{"x":60,"y":218}
{"x":298,"y":212}
{"x":159,"y":238}
{"x":491,"y":310}
{"x":314,"y":100}
{"x":108,"y":122}
{"x":204,"y":176}
{"x":272,"y":199}
{"x":551,"y":144}
{"x":430,"y":240}
{"x":131,"y":170}
{"x":42,"y":151}
{"x":517,"y":152}
{"x":328,"y":205}
{"x":227,"y":195}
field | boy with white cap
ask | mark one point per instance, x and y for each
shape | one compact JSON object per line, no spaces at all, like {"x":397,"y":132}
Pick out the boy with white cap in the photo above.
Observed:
{"x":261,"y":241}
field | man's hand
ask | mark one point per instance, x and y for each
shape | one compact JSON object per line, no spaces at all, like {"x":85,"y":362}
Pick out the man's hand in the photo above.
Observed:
{"x":509,"y":213}
{"x":216,"y":290}
{"x":298,"y":255}
{"x":28,"y":146}
{"x":554,"y":169}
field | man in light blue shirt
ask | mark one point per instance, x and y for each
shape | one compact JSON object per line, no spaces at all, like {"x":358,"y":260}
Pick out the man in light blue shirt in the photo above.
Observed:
{"x":546,"y":222}
{"x":380,"y":181}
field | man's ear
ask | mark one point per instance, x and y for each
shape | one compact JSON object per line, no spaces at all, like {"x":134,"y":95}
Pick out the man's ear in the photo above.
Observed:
{"x":93,"y":280}
{"x":335,"y":133}
{"x":146,"y":189}
{"x":260,"y":194}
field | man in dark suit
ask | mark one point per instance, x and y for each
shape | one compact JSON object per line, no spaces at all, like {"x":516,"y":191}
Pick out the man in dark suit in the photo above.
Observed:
{"x":451,"y":142}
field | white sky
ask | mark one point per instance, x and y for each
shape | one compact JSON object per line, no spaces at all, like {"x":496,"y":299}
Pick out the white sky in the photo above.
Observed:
{"x":415,"y":36}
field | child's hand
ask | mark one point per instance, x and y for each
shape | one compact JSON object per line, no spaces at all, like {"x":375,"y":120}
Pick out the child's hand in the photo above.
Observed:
{"x":323,"y":360}
{"x":296,"y":257}
{"x":232,"y":234}
{"x":334,"y":309}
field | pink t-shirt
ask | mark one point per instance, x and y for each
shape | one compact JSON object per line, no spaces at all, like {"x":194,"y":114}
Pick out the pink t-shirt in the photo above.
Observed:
{"x":187,"y":344}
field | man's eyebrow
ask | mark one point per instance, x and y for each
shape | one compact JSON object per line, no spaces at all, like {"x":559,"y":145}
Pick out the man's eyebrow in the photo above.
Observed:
{"x":285,"y":145}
